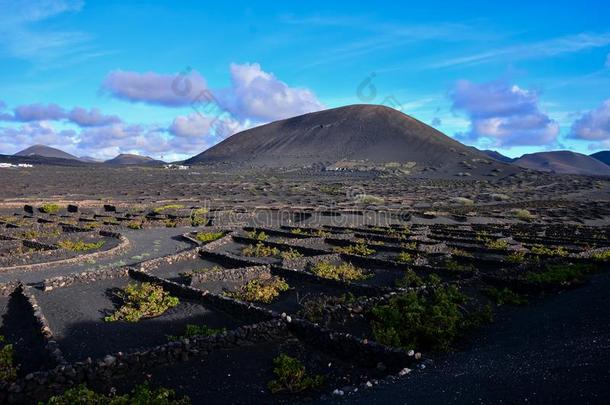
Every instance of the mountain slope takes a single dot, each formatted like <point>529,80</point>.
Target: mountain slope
<point>368,133</point>
<point>45,151</point>
<point>603,156</point>
<point>564,162</point>
<point>130,159</point>
<point>498,156</point>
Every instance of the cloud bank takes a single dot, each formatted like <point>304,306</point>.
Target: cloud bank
<point>259,96</point>
<point>503,114</point>
<point>157,89</point>
<point>594,126</point>
<point>254,97</point>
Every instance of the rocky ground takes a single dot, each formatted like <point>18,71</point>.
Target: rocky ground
<point>473,233</point>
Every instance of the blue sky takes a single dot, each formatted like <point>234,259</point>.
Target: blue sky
<point>101,78</point>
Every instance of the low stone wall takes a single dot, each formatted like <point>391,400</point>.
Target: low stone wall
<point>149,265</point>
<point>40,385</point>
<point>6,289</point>
<point>51,345</point>
<point>84,277</point>
<point>242,275</point>
<point>281,246</point>
<point>218,243</point>
<point>121,247</point>
<point>229,305</point>
<point>350,348</point>
<point>38,245</point>
<point>227,259</point>
<point>355,288</point>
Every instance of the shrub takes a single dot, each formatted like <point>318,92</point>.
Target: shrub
<point>560,274</point>
<point>196,330</point>
<point>601,256</point>
<point>401,233</point>
<point>431,320</point>
<point>92,225</point>
<point>359,249</point>
<point>460,252</point>
<point>291,254</point>
<point>198,217</point>
<point>409,245</point>
<point>522,214</point>
<point>49,208</point>
<point>260,250</point>
<point>452,265</point>
<point>144,300</point>
<point>206,237</point>
<point>260,290</point>
<point>516,257</point>
<point>500,197</point>
<point>404,257</point>
<point>343,272</point>
<point>496,244</point>
<point>79,245</point>
<point>462,201</point>
<point>318,232</point>
<point>291,376</point>
<point>410,279</point>
<point>505,296</point>
<point>549,251</point>
<point>8,370</point>
<point>170,223</point>
<point>370,199</point>
<point>262,236</point>
<point>167,207</point>
<point>31,234</point>
<point>140,395</point>
<point>135,224</point>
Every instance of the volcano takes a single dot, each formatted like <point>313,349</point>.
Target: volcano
<point>356,134</point>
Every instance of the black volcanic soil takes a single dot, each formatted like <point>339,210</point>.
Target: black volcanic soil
<point>239,375</point>
<point>20,328</point>
<point>553,351</point>
<point>76,313</point>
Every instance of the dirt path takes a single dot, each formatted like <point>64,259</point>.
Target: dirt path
<point>553,351</point>
<point>144,244</point>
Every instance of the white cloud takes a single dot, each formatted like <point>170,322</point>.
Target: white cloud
<point>593,125</point>
<point>192,125</point>
<point>14,139</point>
<point>260,96</point>
<point>503,114</point>
<point>169,90</point>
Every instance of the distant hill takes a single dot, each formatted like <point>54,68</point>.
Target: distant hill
<point>45,151</point>
<point>356,133</point>
<point>498,156</point>
<point>89,159</point>
<point>130,159</point>
<point>564,162</point>
<point>40,160</point>
<point>603,156</point>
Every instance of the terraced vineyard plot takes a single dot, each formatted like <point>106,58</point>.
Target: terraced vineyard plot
<point>246,371</point>
<point>336,279</point>
<point>76,317</point>
<point>183,269</point>
<point>20,328</point>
